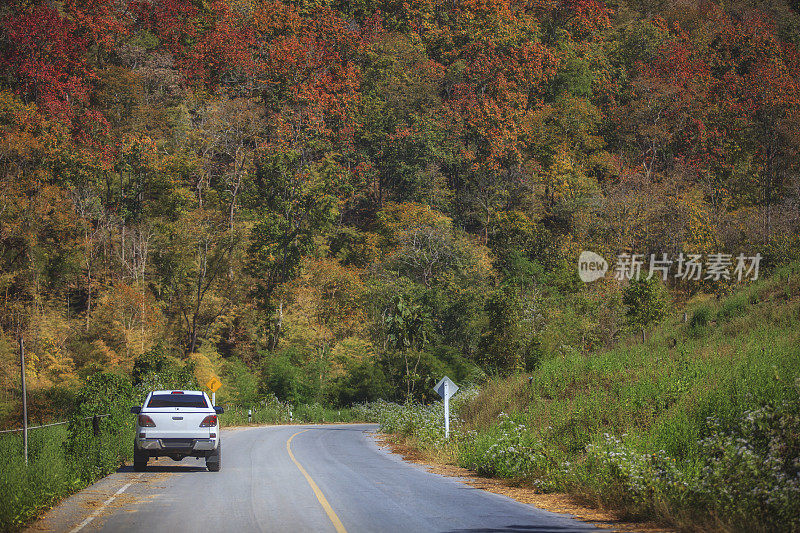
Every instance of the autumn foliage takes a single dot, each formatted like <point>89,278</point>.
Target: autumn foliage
<point>260,180</point>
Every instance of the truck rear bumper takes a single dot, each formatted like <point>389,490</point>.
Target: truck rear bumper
<point>176,446</point>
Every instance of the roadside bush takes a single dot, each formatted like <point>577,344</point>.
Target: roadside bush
<point>751,472</point>
<point>26,490</point>
<point>620,475</point>
<point>508,449</point>
<point>701,318</point>
<point>241,384</point>
<point>424,423</point>
<point>363,382</point>
<point>94,456</point>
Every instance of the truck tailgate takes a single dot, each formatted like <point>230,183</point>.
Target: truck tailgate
<point>177,422</point>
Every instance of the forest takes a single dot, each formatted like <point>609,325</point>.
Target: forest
<point>335,201</point>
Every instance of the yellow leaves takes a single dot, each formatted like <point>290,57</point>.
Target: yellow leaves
<point>326,301</point>
<point>104,353</point>
<point>17,134</point>
<point>565,181</point>
<point>480,253</point>
<point>395,219</point>
<point>701,230</point>
<point>204,368</point>
<point>48,362</point>
<point>570,246</point>
<point>128,319</point>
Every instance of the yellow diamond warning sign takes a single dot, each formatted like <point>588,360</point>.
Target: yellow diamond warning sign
<point>214,383</point>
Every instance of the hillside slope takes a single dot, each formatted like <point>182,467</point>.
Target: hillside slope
<point>697,427</point>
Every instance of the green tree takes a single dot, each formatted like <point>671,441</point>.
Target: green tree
<point>509,343</point>
<point>647,301</point>
<point>156,369</point>
<point>407,324</point>
<point>364,381</point>
<point>295,204</point>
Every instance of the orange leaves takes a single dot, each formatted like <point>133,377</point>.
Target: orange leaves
<point>272,19</point>
<point>505,86</point>
<point>586,17</point>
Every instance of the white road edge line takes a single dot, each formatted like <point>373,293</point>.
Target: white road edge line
<point>99,510</point>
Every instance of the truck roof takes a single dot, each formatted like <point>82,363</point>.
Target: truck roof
<point>177,391</point>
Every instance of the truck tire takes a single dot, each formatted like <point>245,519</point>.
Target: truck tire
<point>213,461</point>
<point>139,460</point>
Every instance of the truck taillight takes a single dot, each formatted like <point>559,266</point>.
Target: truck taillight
<point>209,422</point>
<point>146,422</point>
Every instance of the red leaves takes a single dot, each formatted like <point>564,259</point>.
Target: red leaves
<point>99,20</point>
<point>175,22</point>
<point>47,59</point>
<point>224,54</point>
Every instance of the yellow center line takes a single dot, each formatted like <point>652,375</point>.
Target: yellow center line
<point>318,493</point>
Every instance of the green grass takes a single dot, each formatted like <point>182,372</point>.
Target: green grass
<point>662,391</point>
<point>24,492</point>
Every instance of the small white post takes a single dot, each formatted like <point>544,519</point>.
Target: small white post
<point>213,399</point>
<point>446,411</point>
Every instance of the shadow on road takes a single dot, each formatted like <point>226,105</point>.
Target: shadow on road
<point>178,468</point>
<point>343,427</point>
<point>520,529</point>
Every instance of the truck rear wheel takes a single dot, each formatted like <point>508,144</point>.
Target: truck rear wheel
<point>139,460</point>
<point>213,460</point>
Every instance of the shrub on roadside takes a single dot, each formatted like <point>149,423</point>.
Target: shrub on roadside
<point>751,472</point>
<point>94,456</point>
<point>700,320</point>
<point>509,449</point>
<point>745,477</point>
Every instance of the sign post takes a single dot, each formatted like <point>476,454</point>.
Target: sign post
<point>214,384</point>
<point>446,388</point>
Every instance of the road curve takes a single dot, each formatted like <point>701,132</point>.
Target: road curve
<point>331,478</point>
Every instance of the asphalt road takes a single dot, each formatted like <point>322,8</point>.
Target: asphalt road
<point>296,479</point>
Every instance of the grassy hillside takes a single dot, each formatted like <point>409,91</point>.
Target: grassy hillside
<point>697,427</point>
<point>731,355</point>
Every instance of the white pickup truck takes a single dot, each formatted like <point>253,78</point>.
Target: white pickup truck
<point>177,424</point>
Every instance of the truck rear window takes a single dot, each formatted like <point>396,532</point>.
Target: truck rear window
<point>177,400</point>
